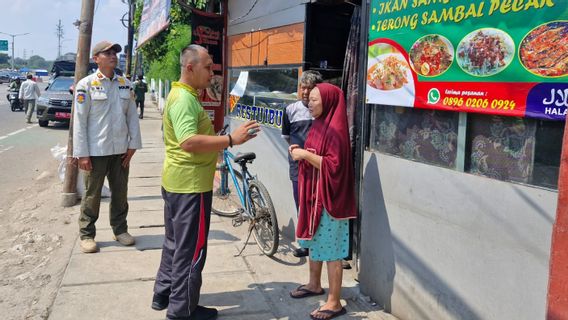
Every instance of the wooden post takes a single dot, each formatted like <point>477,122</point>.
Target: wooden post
<point>557,301</point>
<point>69,198</point>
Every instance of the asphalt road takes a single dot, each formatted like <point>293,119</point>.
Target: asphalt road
<point>24,150</point>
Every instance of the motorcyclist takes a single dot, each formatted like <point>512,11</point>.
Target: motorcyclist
<point>15,84</point>
<point>14,88</point>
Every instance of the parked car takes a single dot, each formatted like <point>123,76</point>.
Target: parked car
<point>55,103</point>
<point>4,77</point>
<point>15,74</point>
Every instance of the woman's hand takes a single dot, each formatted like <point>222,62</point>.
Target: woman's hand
<point>309,155</point>
<point>292,147</point>
<point>296,152</point>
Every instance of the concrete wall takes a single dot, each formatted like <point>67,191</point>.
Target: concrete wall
<point>266,14</point>
<point>271,167</point>
<point>439,244</point>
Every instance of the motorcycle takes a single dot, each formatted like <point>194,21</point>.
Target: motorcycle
<point>15,103</point>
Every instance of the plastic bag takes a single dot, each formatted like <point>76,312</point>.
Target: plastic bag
<point>60,154</point>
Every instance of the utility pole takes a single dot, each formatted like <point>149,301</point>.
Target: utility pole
<point>59,32</point>
<point>85,25</point>
<point>557,300</point>
<point>14,36</point>
<point>131,10</point>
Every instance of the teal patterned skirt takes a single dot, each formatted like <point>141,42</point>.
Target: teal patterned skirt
<point>331,241</point>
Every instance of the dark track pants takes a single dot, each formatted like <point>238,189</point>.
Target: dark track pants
<point>296,196</point>
<point>140,104</point>
<point>187,218</point>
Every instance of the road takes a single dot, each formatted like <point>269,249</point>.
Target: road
<point>24,150</point>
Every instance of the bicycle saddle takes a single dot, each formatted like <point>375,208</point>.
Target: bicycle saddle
<point>242,157</point>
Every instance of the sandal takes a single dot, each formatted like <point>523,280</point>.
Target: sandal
<point>328,314</point>
<point>303,292</point>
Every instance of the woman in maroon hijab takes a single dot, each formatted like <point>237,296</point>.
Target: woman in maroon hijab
<point>327,199</point>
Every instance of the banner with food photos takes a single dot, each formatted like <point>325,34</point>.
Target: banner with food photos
<point>501,57</point>
<point>207,31</point>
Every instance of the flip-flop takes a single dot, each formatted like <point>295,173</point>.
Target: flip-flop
<point>329,314</point>
<point>303,292</point>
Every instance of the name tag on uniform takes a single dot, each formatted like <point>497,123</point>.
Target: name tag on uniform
<point>98,93</point>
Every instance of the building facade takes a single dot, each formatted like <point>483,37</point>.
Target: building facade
<point>456,209</point>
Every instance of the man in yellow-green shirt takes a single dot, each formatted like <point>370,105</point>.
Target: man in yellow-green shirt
<point>187,184</point>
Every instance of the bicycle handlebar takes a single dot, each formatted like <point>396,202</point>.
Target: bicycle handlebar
<point>223,131</point>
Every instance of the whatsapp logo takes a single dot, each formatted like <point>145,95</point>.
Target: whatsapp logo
<point>433,96</point>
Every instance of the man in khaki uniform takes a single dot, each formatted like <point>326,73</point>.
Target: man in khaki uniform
<point>106,133</point>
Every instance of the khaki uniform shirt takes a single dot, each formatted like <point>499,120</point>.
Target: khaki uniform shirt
<point>105,121</point>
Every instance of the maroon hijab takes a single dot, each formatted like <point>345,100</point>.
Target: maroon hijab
<point>332,186</point>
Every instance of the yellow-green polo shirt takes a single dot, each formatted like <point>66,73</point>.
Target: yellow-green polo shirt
<point>184,117</point>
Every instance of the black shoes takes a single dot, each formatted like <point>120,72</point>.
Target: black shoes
<point>203,313</point>
<point>301,252</point>
<point>160,302</point>
<point>200,313</point>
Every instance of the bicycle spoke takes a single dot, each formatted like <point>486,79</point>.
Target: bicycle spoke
<point>226,202</point>
<point>266,230</point>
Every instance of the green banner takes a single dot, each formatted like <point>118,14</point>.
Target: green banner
<point>502,55</point>
<point>3,45</point>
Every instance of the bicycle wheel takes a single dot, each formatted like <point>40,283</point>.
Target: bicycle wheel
<point>227,203</point>
<point>265,230</point>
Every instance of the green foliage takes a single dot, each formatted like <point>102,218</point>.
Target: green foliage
<point>161,53</point>
<point>4,58</point>
<point>199,4</point>
<point>168,67</point>
<point>37,62</point>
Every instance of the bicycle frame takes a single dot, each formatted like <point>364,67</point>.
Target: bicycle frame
<point>243,194</point>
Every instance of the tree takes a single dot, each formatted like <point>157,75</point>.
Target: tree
<point>4,58</point>
<point>19,63</point>
<point>161,53</point>
<point>37,62</point>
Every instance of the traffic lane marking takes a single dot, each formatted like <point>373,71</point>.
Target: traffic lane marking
<point>6,149</point>
<point>18,131</point>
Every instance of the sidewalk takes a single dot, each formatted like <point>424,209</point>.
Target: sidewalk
<point>117,282</point>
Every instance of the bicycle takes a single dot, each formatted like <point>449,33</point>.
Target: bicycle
<point>246,199</point>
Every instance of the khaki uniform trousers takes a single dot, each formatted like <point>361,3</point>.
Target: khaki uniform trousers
<point>111,168</point>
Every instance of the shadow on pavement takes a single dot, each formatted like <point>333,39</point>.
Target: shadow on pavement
<point>238,304</point>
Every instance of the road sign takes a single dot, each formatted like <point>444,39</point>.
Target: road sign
<point>3,45</point>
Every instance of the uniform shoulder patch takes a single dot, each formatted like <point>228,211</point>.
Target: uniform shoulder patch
<point>80,98</point>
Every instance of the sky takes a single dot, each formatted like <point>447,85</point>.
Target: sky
<point>40,18</point>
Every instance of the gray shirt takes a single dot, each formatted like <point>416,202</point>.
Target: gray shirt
<point>295,127</point>
<point>105,120</point>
